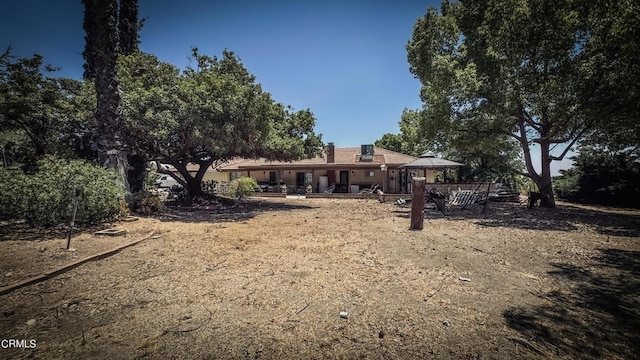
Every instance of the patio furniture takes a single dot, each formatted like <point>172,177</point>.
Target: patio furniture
<point>462,197</point>
<point>455,198</point>
<point>330,189</point>
<point>370,190</point>
<point>505,192</point>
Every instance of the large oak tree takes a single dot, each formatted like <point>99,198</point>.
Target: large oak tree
<point>531,70</point>
<point>208,114</point>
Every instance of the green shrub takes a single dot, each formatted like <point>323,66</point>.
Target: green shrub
<point>11,193</point>
<point>46,198</point>
<point>243,187</point>
<point>147,203</point>
<point>123,209</point>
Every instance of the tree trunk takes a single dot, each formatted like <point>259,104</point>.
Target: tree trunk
<point>103,38</point>
<point>128,27</point>
<point>544,183</point>
<point>137,172</point>
<point>115,159</point>
<point>194,188</point>
<point>543,180</point>
<point>191,183</point>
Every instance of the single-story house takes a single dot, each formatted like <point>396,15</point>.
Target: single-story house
<point>351,169</point>
<point>213,173</point>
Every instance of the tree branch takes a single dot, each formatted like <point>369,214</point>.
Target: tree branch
<point>566,150</point>
<point>529,120</point>
<point>525,147</point>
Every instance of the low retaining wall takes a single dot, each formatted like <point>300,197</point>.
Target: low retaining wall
<point>395,197</point>
<point>341,196</point>
<point>269,194</point>
<point>442,187</point>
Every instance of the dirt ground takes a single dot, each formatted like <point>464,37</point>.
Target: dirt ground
<point>269,279</point>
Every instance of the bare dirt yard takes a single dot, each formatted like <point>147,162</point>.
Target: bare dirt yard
<point>268,279</point>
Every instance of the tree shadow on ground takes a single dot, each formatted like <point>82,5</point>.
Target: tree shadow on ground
<point>514,215</point>
<point>593,313</point>
<point>21,231</point>
<point>225,212</point>
<point>236,211</point>
<point>564,218</point>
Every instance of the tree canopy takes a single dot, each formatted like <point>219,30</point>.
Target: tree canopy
<point>410,140</point>
<point>34,108</point>
<point>484,156</point>
<point>602,176</point>
<point>525,70</point>
<point>208,114</point>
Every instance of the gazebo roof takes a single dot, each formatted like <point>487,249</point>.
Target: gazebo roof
<point>429,161</point>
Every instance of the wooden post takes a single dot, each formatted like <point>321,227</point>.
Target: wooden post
<point>417,203</point>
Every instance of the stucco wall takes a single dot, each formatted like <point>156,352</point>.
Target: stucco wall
<point>356,177</point>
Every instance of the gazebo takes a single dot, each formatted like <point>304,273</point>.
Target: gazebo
<point>427,161</point>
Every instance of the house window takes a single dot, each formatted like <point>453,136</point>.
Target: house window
<point>369,173</point>
<point>235,175</point>
<point>272,177</point>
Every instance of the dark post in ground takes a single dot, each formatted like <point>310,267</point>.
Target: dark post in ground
<point>417,203</point>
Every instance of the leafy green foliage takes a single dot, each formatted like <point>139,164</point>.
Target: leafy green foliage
<point>484,156</point>
<point>411,140</point>
<point>147,203</point>
<point>34,109</point>
<point>207,115</point>
<point>243,187</point>
<point>11,181</point>
<point>525,70</point>
<point>391,142</point>
<point>46,197</point>
<point>612,89</point>
<point>601,176</point>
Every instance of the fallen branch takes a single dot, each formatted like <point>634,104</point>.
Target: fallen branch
<point>215,266</point>
<point>303,309</point>
<point>526,344</point>
<point>61,270</point>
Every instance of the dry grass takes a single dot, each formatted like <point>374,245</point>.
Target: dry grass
<point>269,280</point>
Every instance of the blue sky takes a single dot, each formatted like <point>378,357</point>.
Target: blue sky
<point>344,60</point>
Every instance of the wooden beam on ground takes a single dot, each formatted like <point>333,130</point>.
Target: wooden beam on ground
<point>417,203</point>
<point>49,274</point>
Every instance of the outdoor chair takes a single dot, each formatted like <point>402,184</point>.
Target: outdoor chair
<point>370,190</point>
<point>457,198</point>
<point>504,192</point>
<point>462,197</point>
<point>330,189</point>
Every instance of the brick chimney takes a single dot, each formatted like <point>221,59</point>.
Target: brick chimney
<point>331,153</point>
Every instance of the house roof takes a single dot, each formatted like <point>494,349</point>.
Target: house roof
<point>428,161</point>
<point>347,156</point>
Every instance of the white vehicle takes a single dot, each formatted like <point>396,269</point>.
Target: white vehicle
<point>166,181</point>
